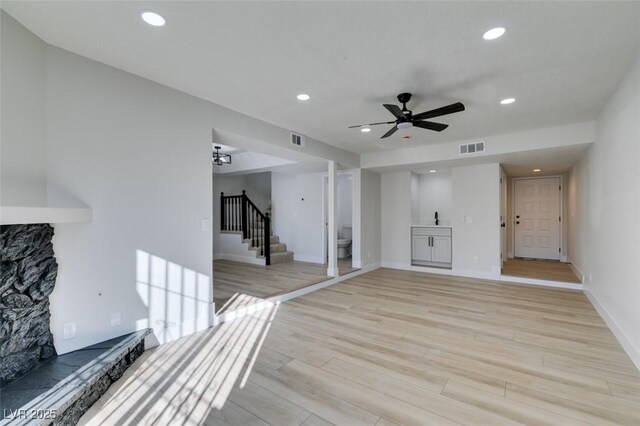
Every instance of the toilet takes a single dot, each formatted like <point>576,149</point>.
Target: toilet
<point>344,242</point>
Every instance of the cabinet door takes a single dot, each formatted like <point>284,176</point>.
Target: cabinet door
<point>441,250</point>
<point>420,249</point>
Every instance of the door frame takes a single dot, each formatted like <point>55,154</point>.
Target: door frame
<point>325,225</point>
<point>513,211</point>
<point>504,213</point>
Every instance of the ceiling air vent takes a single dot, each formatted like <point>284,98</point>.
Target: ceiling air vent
<point>471,148</point>
<point>298,140</point>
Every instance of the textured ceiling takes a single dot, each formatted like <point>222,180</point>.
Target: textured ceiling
<point>560,60</point>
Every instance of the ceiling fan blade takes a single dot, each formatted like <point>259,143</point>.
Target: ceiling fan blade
<point>372,124</point>
<point>449,109</point>
<point>395,110</point>
<point>438,127</point>
<point>390,132</point>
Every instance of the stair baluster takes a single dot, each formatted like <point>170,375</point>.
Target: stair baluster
<point>238,213</point>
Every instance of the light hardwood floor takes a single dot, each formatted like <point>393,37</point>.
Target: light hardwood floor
<point>237,284</point>
<point>540,269</point>
<point>390,347</point>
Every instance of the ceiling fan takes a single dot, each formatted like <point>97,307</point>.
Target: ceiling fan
<point>405,118</point>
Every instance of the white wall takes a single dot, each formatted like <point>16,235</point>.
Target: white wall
<point>258,187</point>
<point>345,202</point>
<point>415,198</point>
<point>297,206</point>
<point>370,218</point>
<point>139,154</point>
<point>605,203</point>
<point>22,135</point>
<point>435,195</point>
<point>476,218</point>
<point>396,218</point>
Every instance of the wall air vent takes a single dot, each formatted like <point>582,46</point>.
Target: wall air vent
<point>298,140</point>
<point>471,148</point>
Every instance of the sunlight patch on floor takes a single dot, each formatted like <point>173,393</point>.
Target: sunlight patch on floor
<point>182,381</point>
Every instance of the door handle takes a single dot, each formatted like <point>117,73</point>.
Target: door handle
<point>517,222</point>
<point>502,225</point>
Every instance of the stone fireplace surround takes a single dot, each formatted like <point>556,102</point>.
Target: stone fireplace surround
<point>28,271</point>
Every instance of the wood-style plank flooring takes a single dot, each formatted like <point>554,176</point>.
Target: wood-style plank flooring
<point>539,269</point>
<point>237,284</point>
<point>388,348</point>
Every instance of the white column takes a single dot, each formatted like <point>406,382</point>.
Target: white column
<point>332,227</point>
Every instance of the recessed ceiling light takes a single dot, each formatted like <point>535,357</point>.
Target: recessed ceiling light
<point>508,101</point>
<point>153,19</point>
<point>537,170</point>
<point>303,97</point>
<point>365,129</point>
<point>406,138</point>
<point>493,33</point>
<point>432,171</point>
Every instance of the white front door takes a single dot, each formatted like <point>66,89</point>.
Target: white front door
<point>537,218</point>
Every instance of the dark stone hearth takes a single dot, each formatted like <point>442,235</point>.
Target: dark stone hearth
<point>72,414</point>
<point>28,271</point>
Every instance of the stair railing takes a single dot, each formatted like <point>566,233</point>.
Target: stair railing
<point>238,213</point>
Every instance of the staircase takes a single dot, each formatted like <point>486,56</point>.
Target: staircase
<point>238,214</point>
<point>278,250</point>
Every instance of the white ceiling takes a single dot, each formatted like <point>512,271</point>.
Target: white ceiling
<point>561,60</point>
<point>552,161</point>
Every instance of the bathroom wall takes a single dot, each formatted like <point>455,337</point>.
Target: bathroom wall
<point>345,202</point>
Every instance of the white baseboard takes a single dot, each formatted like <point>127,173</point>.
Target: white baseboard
<point>455,272</point>
<point>481,275</point>
<point>576,270</point>
<point>627,344</point>
<point>370,267</point>
<point>305,258</point>
<point>543,283</point>
<point>356,263</point>
<point>239,258</point>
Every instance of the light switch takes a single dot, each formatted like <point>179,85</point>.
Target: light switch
<point>205,225</point>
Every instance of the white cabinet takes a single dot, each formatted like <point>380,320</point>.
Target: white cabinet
<point>431,246</point>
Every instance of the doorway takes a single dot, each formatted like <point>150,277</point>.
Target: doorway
<point>537,203</point>
<point>346,218</point>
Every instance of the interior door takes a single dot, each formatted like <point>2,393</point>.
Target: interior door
<point>537,218</point>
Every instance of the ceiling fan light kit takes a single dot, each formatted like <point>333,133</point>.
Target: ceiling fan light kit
<point>406,119</point>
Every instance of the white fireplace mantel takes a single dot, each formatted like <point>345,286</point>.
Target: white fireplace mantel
<point>13,215</point>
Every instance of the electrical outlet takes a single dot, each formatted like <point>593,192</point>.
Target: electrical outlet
<point>475,259</point>
<point>369,255</point>
<point>116,319</point>
<point>69,331</point>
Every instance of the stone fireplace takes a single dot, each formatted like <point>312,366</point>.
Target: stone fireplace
<point>28,271</point>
